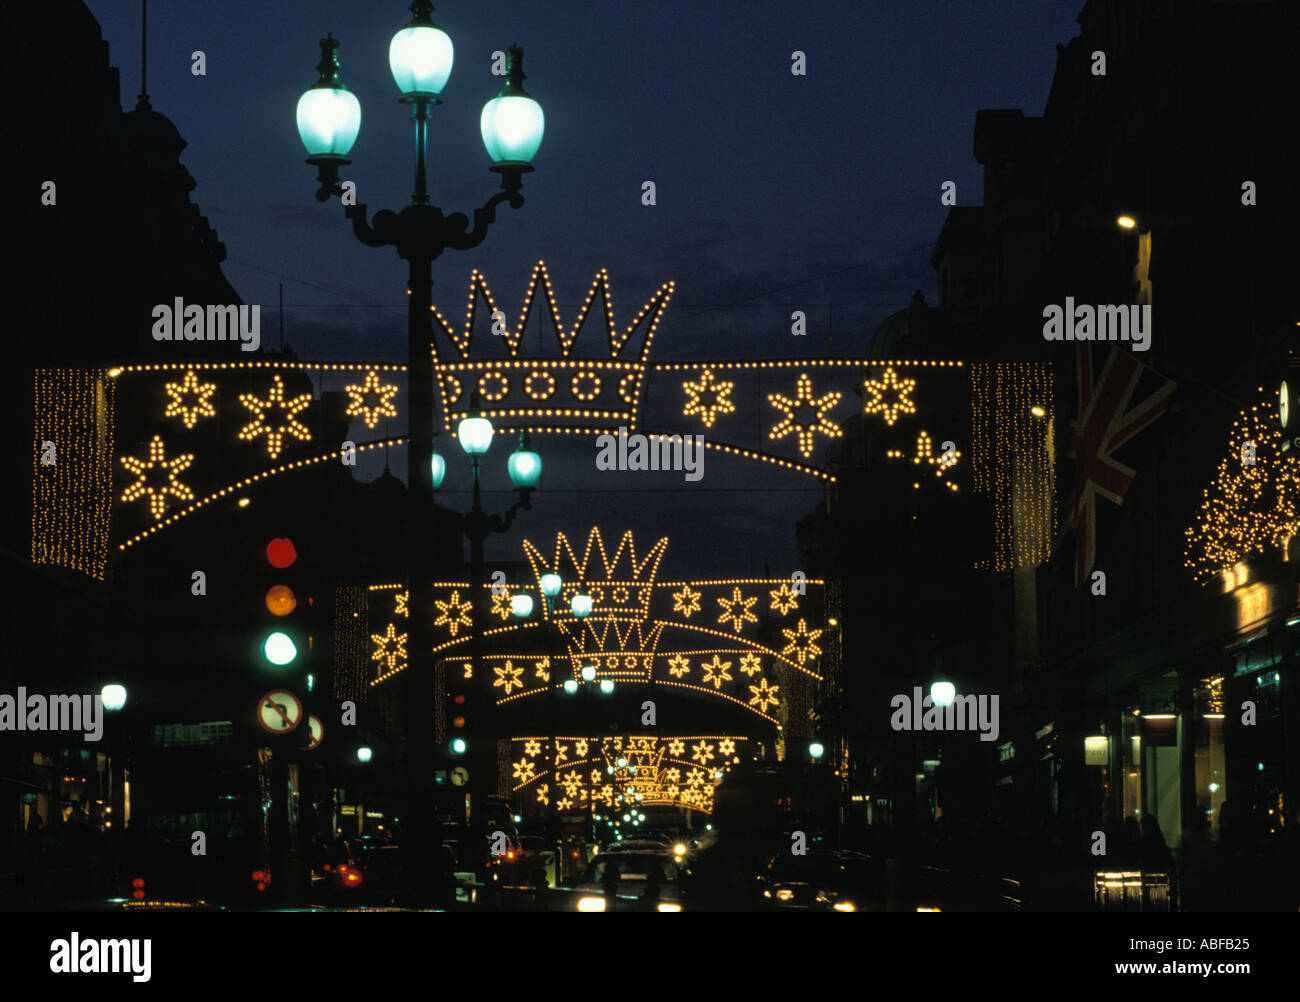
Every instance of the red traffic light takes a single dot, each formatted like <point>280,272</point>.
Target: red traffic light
<point>281,553</point>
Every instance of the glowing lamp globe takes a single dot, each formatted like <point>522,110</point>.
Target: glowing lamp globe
<point>522,606</point>
<point>329,115</point>
<point>475,434</point>
<point>525,468</point>
<point>570,686</point>
<point>280,600</point>
<point>943,693</point>
<point>588,673</point>
<point>512,123</point>
<point>816,750</point>
<point>606,686</point>
<point>364,754</point>
<point>279,649</point>
<point>439,467</point>
<point>113,696</point>
<point>420,55</point>
<point>581,605</point>
<point>551,585</point>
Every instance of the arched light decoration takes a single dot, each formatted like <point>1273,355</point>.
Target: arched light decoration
<point>524,465</point>
<point>439,468</point>
<point>581,605</point>
<point>512,122</point>
<point>114,696</point>
<point>522,605</point>
<point>943,693</point>
<point>420,55</point>
<point>329,115</point>
<point>551,585</point>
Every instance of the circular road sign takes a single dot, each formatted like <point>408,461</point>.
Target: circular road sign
<point>317,731</point>
<point>279,711</point>
<point>459,776</point>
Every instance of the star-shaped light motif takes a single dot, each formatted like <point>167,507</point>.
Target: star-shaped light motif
<point>924,454</point>
<point>501,605</point>
<point>532,747</point>
<point>763,694</point>
<point>751,664</point>
<point>678,666</point>
<point>389,654</point>
<point>157,495</point>
<point>674,775</point>
<point>673,790</point>
<point>561,753</point>
<point>358,406</point>
<point>543,669</point>
<point>571,782</point>
<point>507,677</point>
<point>727,747</point>
<point>202,405</point>
<point>469,669</point>
<point>802,646</point>
<point>803,398</point>
<point>564,803</point>
<point>544,794</point>
<point>697,393</point>
<point>735,610</point>
<point>784,599</point>
<point>275,432</point>
<point>525,771</point>
<point>399,603</point>
<point>595,778</point>
<point>580,748</point>
<point>897,388</point>
<point>696,777</point>
<point>453,614</point>
<point>686,601</point>
<point>702,753</point>
<point>716,673</point>
<point>676,746</point>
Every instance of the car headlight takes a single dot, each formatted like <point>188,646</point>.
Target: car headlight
<point>670,907</point>
<point>591,904</point>
<point>844,906</point>
<point>785,894</point>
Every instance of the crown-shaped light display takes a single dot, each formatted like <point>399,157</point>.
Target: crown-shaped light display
<point>617,632</point>
<point>556,393</point>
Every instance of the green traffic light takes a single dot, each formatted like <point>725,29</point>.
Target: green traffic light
<point>458,746</point>
<point>279,649</point>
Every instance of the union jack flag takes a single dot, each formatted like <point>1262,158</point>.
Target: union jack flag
<point>1105,423</point>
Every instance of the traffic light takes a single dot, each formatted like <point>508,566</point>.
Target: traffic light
<point>457,740</point>
<point>283,639</point>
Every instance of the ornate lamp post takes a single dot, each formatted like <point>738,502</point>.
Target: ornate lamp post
<point>329,118</point>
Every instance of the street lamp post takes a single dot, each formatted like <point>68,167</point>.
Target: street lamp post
<point>329,118</point>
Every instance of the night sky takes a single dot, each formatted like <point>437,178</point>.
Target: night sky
<point>775,193</point>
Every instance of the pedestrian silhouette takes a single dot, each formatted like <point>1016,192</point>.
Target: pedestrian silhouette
<point>609,881</point>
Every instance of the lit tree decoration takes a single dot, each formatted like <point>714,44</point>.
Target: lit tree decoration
<point>702,753</point>
<point>507,677</point>
<point>400,600</point>
<point>391,655</point>
<point>525,770</point>
<point>735,610</point>
<point>763,694</point>
<point>706,387</point>
<point>275,433</point>
<point>897,388</point>
<point>678,666</point>
<point>385,392</point>
<point>804,401</point>
<point>802,645</point>
<point>157,495</point>
<point>453,614</point>
<point>716,673</point>
<point>202,405</point>
<point>1250,507</point>
<point>785,599</point>
<point>751,665</point>
<point>686,601</point>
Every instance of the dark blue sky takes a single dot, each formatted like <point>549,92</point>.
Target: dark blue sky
<point>764,179</point>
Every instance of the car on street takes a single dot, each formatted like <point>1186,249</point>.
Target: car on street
<point>842,881</point>
<point>637,871</point>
